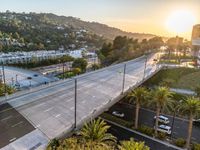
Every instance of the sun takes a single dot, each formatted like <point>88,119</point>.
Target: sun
<point>180,21</point>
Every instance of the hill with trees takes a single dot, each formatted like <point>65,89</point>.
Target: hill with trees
<point>32,31</point>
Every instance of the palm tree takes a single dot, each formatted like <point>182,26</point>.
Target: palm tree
<point>161,97</point>
<point>132,145</point>
<point>95,133</point>
<point>138,96</point>
<point>190,107</point>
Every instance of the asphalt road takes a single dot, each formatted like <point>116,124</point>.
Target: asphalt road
<point>146,118</point>
<point>125,134</point>
<point>12,125</point>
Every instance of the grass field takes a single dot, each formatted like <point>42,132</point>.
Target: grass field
<point>184,78</point>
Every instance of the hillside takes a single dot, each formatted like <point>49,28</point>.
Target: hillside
<point>95,27</point>
<point>32,31</point>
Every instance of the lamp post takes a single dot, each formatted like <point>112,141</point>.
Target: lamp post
<point>4,79</point>
<point>63,70</point>
<point>75,102</point>
<point>124,77</point>
<point>145,65</point>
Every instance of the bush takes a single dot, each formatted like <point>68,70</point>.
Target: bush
<point>146,130</point>
<point>161,136</point>
<point>180,142</point>
<point>196,147</point>
<point>117,120</point>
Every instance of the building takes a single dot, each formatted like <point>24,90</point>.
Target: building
<point>196,41</point>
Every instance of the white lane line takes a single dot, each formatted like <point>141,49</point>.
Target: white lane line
<point>38,125</point>
<point>6,118</point>
<point>12,139</point>
<point>48,109</point>
<point>14,125</point>
<point>58,115</point>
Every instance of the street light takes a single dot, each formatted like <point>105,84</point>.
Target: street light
<point>145,65</point>
<point>124,76</point>
<point>75,102</point>
<point>4,80</point>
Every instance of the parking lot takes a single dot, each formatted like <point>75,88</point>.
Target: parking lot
<point>21,78</point>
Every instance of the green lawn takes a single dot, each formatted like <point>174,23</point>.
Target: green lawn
<point>186,78</point>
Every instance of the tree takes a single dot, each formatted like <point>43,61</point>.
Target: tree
<point>132,145</point>
<point>161,97</point>
<point>155,42</point>
<point>197,90</point>
<point>95,66</point>
<point>190,107</point>
<point>76,71</point>
<point>80,63</point>
<point>138,96</point>
<point>95,133</point>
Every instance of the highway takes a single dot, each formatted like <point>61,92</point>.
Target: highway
<point>51,109</point>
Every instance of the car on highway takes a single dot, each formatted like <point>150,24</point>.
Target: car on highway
<point>164,129</point>
<point>196,122</point>
<point>118,114</point>
<point>162,119</point>
<point>155,60</point>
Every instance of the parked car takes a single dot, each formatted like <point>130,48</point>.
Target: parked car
<point>162,119</point>
<point>164,129</point>
<point>155,60</point>
<point>118,114</point>
<point>35,75</point>
<point>196,122</point>
<point>29,78</point>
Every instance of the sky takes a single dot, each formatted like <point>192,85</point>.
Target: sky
<point>160,17</point>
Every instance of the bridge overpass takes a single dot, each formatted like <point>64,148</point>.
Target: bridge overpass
<point>56,109</point>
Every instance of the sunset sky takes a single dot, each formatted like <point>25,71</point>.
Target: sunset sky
<point>161,17</point>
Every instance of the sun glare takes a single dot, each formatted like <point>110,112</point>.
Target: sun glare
<point>180,21</point>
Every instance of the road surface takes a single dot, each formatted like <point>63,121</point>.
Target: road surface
<point>146,118</point>
<point>51,109</point>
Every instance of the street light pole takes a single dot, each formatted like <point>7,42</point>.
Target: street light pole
<point>4,80</point>
<point>124,77</point>
<point>63,71</point>
<point>75,103</point>
<point>145,65</point>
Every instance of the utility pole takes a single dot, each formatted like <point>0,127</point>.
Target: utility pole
<point>75,102</point>
<point>145,65</point>
<point>124,76</point>
<point>63,70</point>
<point>4,79</point>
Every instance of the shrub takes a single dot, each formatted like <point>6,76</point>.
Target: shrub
<point>180,142</point>
<point>146,130</point>
<point>117,120</point>
<point>161,136</point>
<point>196,147</point>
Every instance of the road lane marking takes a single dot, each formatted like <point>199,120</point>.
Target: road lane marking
<point>58,115</point>
<point>11,140</point>
<point>17,124</point>
<point>48,109</point>
<point>6,118</point>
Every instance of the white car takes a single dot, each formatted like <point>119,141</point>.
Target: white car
<point>118,114</point>
<point>164,129</point>
<point>163,119</point>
